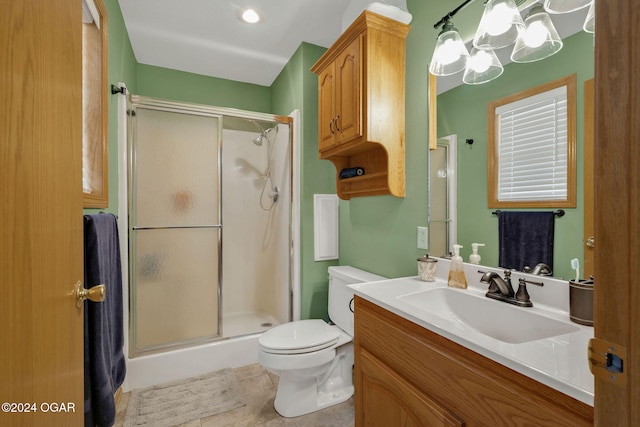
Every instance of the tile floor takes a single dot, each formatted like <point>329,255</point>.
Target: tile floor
<point>259,389</point>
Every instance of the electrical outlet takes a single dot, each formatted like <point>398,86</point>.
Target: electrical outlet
<point>423,238</point>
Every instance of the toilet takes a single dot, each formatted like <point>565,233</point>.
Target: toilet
<point>313,358</point>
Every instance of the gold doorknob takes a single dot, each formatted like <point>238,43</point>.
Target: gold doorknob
<point>591,241</point>
<point>96,294</point>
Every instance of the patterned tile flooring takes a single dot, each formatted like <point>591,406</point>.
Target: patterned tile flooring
<point>259,389</point>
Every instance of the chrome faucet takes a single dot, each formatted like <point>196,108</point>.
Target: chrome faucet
<point>501,289</point>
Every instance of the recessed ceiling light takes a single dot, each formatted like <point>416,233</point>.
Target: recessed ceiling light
<point>250,16</point>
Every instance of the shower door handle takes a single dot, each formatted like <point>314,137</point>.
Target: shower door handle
<point>96,293</point>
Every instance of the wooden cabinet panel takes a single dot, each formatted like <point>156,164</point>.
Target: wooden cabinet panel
<point>389,400</point>
<point>361,116</point>
<point>326,108</point>
<point>471,386</point>
<point>348,121</point>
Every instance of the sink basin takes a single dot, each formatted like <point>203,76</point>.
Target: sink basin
<point>495,319</point>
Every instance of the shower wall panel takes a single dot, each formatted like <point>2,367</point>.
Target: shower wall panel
<point>256,242</point>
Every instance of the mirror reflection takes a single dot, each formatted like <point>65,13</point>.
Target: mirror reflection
<point>462,111</point>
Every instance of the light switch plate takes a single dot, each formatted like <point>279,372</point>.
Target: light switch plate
<point>423,237</point>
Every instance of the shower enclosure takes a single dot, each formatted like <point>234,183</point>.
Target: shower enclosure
<point>209,223</point>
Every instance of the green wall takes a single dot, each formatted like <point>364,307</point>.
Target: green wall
<point>297,87</point>
<point>463,111</point>
<point>176,85</point>
<point>379,233</point>
<point>376,233</point>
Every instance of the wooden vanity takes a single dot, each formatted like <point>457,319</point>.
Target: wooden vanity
<point>408,375</point>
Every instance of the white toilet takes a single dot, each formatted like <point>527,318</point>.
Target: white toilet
<point>313,358</point>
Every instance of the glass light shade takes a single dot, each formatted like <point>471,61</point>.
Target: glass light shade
<point>482,66</point>
<point>450,54</point>
<point>499,26</point>
<point>590,23</point>
<point>565,6</point>
<point>540,40</point>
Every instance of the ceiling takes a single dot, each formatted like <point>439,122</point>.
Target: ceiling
<point>207,37</point>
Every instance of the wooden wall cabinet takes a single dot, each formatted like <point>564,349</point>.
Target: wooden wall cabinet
<point>408,375</point>
<point>361,113</point>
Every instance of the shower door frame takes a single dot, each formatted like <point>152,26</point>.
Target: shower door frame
<point>135,101</point>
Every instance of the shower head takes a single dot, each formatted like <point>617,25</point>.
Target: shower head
<point>258,139</point>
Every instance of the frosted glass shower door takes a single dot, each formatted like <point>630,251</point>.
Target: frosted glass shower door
<point>175,228</point>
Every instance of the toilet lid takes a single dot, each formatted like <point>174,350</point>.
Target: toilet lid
<point>301,336</point>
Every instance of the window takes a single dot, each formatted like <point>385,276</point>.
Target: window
<point>94,104</point>
<point>532,146</point>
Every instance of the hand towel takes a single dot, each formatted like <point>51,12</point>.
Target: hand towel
<point>525,239</point>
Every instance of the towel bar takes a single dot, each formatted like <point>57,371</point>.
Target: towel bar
<point>558,213</point>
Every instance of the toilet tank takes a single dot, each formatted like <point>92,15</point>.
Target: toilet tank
<point>340,295</point>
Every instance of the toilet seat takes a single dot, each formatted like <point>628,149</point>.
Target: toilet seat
<point>301,336</point>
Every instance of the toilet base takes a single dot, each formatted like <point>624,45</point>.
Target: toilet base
<point>298,396</point>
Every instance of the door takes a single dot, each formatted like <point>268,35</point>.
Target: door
<point>174,227</point>
<point>617,196</point>
<point>41,258</point>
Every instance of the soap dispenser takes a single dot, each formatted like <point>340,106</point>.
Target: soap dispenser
<point>474,258</point>
<point>457,279</point>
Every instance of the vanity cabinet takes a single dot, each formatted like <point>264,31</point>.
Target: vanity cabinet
<point>361,116</point>
<point>408,375</point>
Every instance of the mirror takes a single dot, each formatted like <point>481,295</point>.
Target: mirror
<point>463,111</point>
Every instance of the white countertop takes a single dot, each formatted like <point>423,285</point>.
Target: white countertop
<point>559,362</point>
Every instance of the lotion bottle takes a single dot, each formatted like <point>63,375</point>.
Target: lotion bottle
<point>457,279</point>
<point>474,258</point>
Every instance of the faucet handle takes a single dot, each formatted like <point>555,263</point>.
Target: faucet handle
<point>522,295</point>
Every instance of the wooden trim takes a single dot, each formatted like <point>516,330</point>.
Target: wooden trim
<point>433,111</point>
<point>100,198</point>
<point>492,155</point>
<point>589,105</point>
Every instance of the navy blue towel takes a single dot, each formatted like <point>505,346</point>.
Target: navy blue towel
<point>104,361</point>
<point>525,239</point>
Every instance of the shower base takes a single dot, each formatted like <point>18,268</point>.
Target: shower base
<point>238,348</point>
<point>237,324</point>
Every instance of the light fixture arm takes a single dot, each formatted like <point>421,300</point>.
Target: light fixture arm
<point>449,15</point>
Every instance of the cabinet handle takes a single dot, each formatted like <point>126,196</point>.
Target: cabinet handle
<point>331,125</point>
<point>337,119</point>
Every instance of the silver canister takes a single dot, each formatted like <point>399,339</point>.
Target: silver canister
<point>581,301</point>
<point>427,268</point>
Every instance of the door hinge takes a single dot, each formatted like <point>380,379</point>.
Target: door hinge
<point>607,361</point>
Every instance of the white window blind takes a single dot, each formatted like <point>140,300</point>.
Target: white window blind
<point>533,148</point>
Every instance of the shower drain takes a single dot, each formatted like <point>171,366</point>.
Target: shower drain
<point>266,325</point>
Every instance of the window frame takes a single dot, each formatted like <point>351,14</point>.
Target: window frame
<point>493,147</point>
<point>99,198</point>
